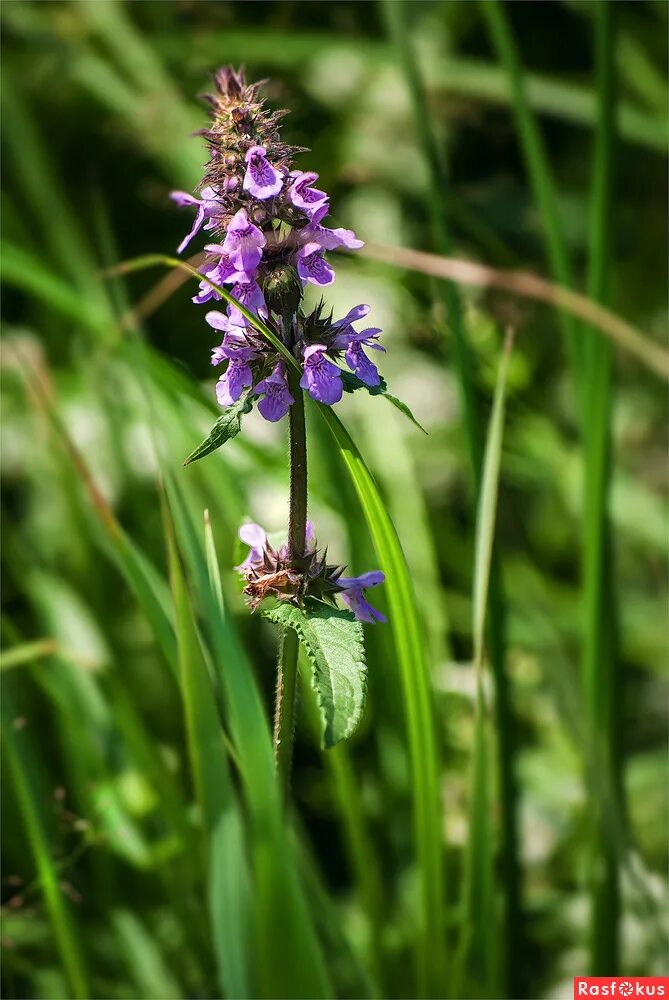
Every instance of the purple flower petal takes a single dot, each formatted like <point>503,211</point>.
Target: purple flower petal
<point>361,608</point>
<point>353,315</point>
<point>373,578</point>
<point>261,178</point>
<point>219,321</point>
<point>255,537</point>
<point>321,377</point>
<point>208,209</point>
<point>277,399</point>
<point>312,266</point>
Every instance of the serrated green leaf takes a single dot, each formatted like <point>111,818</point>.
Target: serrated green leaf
<point>333,641</point>
<point>352,383</point>
<point>226,427</point>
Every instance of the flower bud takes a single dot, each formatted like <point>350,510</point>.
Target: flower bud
<point>283,290</point>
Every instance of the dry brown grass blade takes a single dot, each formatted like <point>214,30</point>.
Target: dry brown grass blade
<point>160,292</point>
<point>463,272</point>
<point>529,286</point>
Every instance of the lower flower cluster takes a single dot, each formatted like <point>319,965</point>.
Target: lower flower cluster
<point>268,572</point>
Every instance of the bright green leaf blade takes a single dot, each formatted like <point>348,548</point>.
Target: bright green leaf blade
<point>334,643</point>
<point>418,703</point>
<point>479,932</point>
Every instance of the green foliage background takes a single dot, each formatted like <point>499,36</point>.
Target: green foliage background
<point>476,842</point>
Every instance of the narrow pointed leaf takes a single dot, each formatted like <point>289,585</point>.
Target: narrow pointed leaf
<point>352,383</point>
<point>226,427</point>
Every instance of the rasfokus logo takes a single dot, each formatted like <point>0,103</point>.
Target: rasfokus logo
<point>621,986</point>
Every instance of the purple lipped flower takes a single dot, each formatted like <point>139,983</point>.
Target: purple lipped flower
<point>255,537</point>
<point>238,375</point>
<point>248,294</point>
<point>303,196</point>
<point>312,266</point>
<point>328,239</point>
<point>244,242</point>
<point>353,595</point>
<point>208,208</point>
<point>262,180</point>
<point>360,364</point>
<point>233,344</point>
<point>220,273</point>
<point>352,316</point>
<point>277,399</point>
<point>321,377</point>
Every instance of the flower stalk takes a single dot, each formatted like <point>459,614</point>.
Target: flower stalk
<point>286,682</point>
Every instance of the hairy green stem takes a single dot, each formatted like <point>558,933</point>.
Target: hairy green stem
<point>286,683</point>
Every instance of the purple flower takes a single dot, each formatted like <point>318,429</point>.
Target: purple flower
<point>312,266</point>
<point>321,377</point>
<point>244,242</point>
<point>208,208</point>
<point>256,537</point>
<point>249,295</point>
<point>261,178</point>
<point>328,239</point>
<point>353,595</point>
<point>219,273</point>
<point>352,342</point>
<point>277,399</point>
<point>359,363</point>
<point>232,383</point>
<point>233,347</point>
<point>238,375</point>
<point>303,196</point>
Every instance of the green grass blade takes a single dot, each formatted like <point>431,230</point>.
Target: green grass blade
<point>538,169</point>
<point>487,507</point>
<point>229,885</point>
<point>144,958</point>
<point>22,767</point>
<point>599,662</point>
<point>480,930</point>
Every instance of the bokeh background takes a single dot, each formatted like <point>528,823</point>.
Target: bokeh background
<point>485,130</point>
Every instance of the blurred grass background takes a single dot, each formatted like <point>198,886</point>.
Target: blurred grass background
<point>145,852</point>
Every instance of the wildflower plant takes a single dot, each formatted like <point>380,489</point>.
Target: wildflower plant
<point>269,241</point>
